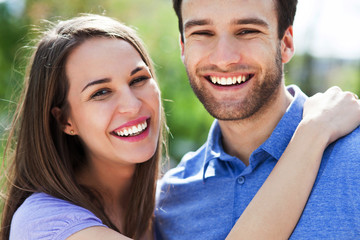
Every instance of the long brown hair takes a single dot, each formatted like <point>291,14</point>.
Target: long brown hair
<point>42,158</point>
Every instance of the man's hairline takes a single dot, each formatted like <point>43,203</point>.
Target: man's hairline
<point>182,38</point>
<point>245,21</point>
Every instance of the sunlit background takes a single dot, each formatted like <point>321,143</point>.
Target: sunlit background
<point>327,40</point>
<point>328,28</point>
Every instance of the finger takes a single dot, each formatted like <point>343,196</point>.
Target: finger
<point>353,95</point>
<point>334,89</point>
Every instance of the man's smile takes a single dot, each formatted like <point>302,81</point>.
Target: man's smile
<point>231,80</point>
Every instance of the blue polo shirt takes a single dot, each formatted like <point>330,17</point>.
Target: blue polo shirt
<point>205,194</point>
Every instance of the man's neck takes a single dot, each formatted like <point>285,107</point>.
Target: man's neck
<point>240,138</point>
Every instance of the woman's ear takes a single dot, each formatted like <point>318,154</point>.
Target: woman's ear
<point>66,125</point>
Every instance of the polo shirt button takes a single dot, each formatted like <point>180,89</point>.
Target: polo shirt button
<point>241,180</point>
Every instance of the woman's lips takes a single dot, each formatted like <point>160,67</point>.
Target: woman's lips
<point>138,128</point>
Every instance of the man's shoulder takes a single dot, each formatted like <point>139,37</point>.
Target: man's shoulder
<point>334,200</point>
<point>350,142</point>
<point>346,149</point>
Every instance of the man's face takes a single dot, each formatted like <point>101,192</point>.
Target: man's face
<point>233,55</point>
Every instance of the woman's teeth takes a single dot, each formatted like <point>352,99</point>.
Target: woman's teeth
<point>229,80</point>
<point>132,131</point>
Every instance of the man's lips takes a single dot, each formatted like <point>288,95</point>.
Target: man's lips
<point>132,128</point>
<point>229,80</point>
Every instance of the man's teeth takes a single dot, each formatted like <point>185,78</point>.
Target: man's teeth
<point>132,131</point>
<point>228,80</point>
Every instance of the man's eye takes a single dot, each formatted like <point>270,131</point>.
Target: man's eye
<point>202,33</point>
<point>248,31</point>
<point>139,81</point>
<point>100,94</point>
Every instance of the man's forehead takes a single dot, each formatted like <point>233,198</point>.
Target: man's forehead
<point>208,12</point>
<point>197,7</point>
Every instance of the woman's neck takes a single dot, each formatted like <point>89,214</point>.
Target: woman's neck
<point>113,183</point>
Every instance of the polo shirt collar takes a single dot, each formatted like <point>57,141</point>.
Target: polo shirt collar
<point>213,147</point>
<point>275,145</point>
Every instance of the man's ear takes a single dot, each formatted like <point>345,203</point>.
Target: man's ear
<point>287,45</point>
<point>181,48</point>
<point>65,124</point>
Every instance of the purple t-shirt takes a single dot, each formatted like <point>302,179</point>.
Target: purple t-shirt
<point>42,216</point>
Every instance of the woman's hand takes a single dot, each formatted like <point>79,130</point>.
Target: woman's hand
<point>333,114</point>
<point>276,208</point>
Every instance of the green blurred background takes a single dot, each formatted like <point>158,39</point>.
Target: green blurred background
<point>157,25</point>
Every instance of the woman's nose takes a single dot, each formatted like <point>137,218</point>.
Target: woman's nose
<point>128,102</point>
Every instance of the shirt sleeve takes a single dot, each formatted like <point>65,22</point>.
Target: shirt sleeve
<point>44,217</point>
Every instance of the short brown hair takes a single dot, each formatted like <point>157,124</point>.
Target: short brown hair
<point>285,9</point>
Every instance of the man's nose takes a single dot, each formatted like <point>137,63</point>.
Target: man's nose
<point>225,52</point>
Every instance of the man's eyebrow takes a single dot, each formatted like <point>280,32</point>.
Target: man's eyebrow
<point>99,81</point>
<point>193,23</point>
<point>254,21</point>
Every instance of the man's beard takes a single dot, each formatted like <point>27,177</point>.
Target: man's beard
<point>259,97</point>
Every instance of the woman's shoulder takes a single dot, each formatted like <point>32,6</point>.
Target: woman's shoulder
<point>42,216</point>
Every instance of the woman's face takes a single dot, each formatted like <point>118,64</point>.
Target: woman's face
<point>114,102</point>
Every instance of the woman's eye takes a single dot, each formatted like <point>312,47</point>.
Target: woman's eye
<point>139,81</point>
<point>100,94</point>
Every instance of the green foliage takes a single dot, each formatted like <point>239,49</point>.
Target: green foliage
<point>12,32</point>
<point>157,25</point>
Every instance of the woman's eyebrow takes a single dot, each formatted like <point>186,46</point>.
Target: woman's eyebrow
<point>106,80</point>
<point>99,81</point>
<point>136,70</point>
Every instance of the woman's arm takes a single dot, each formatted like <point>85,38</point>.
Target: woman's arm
<point>97,233</point>
<point>276,208</point>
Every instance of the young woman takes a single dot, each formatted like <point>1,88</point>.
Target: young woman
<point>87,138</point>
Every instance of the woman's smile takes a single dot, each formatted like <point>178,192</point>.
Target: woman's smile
<point>133,131</point>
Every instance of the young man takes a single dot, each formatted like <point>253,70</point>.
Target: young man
<point>234,53</point>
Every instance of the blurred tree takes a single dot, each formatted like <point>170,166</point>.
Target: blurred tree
<point>187,121</point>
<point>157,25</point>
<point>12,33</point>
